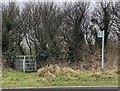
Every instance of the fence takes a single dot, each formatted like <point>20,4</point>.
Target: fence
<point>25,63</point>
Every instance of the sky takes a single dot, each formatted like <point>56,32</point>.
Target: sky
<point>93,1</point>
<point>48,0</point>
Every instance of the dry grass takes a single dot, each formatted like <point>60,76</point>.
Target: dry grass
<point>104,73</point>
<point>50,72</point>
<point>2,62</point>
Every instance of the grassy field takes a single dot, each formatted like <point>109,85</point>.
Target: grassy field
<point>16,79</point>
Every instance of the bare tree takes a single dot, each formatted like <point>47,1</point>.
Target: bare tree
<point>116,18</point>
<point>11,35</point>
<point>116,24</point>
<point>102,16</point>
<point>43,22</point>
<point>75,21</point>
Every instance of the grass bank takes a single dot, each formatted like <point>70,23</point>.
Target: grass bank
<point>15,79</point>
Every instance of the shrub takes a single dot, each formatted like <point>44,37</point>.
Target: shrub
<point>9,59</point>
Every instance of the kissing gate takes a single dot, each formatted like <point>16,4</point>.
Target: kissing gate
<point>25,63</point>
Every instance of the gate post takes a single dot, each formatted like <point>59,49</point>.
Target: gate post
<point>24,68</point>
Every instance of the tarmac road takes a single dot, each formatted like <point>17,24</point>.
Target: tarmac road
<point>65,89</point>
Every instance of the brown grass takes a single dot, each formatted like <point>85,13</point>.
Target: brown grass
<point>104,73</point>
<point>49,72</point>
<point>3,62</point>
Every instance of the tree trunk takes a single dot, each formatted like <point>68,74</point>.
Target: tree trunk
<point>21,50</point>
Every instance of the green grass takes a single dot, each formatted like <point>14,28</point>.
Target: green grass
<point>16,79</point>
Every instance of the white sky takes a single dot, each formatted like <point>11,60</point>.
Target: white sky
<point>58,0</point>
<point>48,0</point>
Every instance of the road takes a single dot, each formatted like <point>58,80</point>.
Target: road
<point>65,89</point>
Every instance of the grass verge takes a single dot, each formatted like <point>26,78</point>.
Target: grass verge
<point>15,79</point>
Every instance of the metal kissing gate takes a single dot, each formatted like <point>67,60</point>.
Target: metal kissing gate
<point>25,63</point>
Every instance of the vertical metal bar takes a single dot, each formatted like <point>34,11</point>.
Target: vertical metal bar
<point>24,64</point>
<point>103,50</point>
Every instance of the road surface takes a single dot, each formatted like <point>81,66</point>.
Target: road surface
<point>65,89</point>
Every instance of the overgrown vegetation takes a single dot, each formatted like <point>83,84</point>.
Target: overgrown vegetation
<point>63,32</point>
